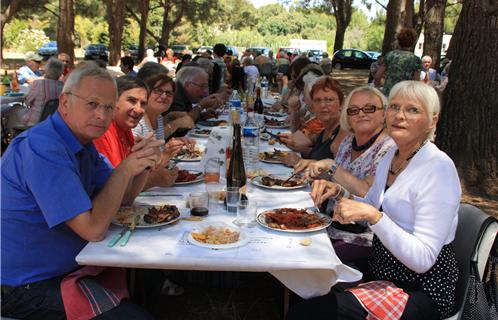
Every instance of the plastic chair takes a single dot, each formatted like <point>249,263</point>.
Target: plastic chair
<point>49,108</point>
<point>474,239</point>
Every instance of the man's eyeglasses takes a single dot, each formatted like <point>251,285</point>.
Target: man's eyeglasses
<point>160,92</point>
<point>368,108</point>
<point>203,86</point>
<point>409,111</point>
<point>93,105</point>
<point>326,101</point>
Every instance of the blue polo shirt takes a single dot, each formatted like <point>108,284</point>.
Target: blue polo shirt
<point>47,178</point>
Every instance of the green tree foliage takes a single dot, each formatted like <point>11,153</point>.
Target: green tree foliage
<point>31,39</point>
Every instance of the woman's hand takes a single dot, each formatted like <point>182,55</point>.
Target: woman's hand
<point>321,190</point>
<point>316,168</point>
<point>183,122</point>
<point>291,159</point>
<point>302,164</point>
<point>347,211</point>
<point>189,143</point>
<point>296,141</point>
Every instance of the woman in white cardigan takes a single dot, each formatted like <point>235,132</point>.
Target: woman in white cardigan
<point>411,208</point>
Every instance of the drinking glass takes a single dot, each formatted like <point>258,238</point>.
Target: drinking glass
<point>232,198</point>
<point>199,203</point>
<point>212,170</point>
<point>246,213</point>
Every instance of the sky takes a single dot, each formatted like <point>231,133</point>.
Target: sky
<point>357,3</point>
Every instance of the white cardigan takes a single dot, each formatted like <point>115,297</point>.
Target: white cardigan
<point>420,207</point>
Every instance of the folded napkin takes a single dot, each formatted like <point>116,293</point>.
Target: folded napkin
<point>92,290</point>
<point>381,299</point>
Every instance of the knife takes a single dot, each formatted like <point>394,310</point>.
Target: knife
<point>130,228</point>
<point>116,238</point>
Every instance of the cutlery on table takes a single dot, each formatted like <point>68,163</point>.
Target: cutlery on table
<point>130,228</point>
<point>116,238</point>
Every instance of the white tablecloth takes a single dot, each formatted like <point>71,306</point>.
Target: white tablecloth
<point>307,270</point>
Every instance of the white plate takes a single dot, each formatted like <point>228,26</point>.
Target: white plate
<point>143,224</point>
<point>258,182</point>
<point>277,127</point>
<point>183,159</point>
<point>260,218</point>
<point>271,160</point>
<point>243,240</point>
<point>199,178</point>
<point>277,115</point>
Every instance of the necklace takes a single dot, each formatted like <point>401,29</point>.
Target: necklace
<point>366,145</point>
<point>403,164</point>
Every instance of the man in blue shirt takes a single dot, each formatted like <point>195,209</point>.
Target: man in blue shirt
<point>58,193</point>
<point>31,71</point>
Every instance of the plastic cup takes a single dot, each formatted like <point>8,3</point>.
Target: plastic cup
<point>212,170</point>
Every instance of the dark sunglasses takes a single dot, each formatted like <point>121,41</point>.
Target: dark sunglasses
<point>368,108</point>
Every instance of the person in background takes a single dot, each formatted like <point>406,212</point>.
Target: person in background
<point>412,209</point>
<point>373,69</point>
<point>151,68</point>
<point>186,58</point>
<point>191,95</point>
<point>219,51</point>
<point>59,193</point>
<point>127,65</point>
<point>64,57</point>
<point>428,74</point>
<point>43,90</point>
<point>401,64</point>
<point>260,60</point>
<point>238,76</point>
<point>31,71</point>
<point>325,59</point>
<point>251,71</point>
<point>149,57</point>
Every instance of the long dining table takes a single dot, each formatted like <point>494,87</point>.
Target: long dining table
<point>308,270</point>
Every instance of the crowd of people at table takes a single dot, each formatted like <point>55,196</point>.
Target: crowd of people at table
<point>392,193</point>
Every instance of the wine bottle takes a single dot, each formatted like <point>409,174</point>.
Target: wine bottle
<point>258,104</point>
<point>236,176</point>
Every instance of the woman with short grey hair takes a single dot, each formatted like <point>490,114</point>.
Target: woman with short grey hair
<point>44,90</point>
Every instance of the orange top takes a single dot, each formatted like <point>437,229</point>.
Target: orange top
<point>115,144</point>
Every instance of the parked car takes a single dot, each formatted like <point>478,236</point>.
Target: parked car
<point>374,54</point>
<point>234,51</point>
<point>48,49</point>
<point>352,58</point>
<point>179,49</point>
<point>133,50</point>
<point>262,50</point>
<point>97,51</point>
<point>291,52</point>
<point>203,49</point>
<point>315,55</point>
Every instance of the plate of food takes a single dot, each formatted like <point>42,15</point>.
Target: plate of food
<point>201,133</point>
<point>188,177</point>
<point>275,114</point>
<point>212,123</point>
<point>279,182</point>
<point>188,156</point>
<point>293,220</point>
<point>150,216</point>
<point>275,123</point>
<point>217,235</point>
<point>275,156</point>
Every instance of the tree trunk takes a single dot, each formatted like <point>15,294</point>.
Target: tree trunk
<point>144,16</point>
<point>395,20</point>
<point>467,130</point>
<point>181,8</point>
<point>6,16</point>
<point>65,29</point>
<point>433,30</point>
<point>166,28</point>
<point>115,16</point>
<point>342,13</point>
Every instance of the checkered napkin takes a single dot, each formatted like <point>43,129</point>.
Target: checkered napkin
<point>381,299</point>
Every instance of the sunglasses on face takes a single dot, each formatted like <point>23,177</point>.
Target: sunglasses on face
<point>368,108</point>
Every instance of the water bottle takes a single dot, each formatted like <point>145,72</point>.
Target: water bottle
<point>264,88</point>
<point>235,107</point>
<point>250,133</point>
